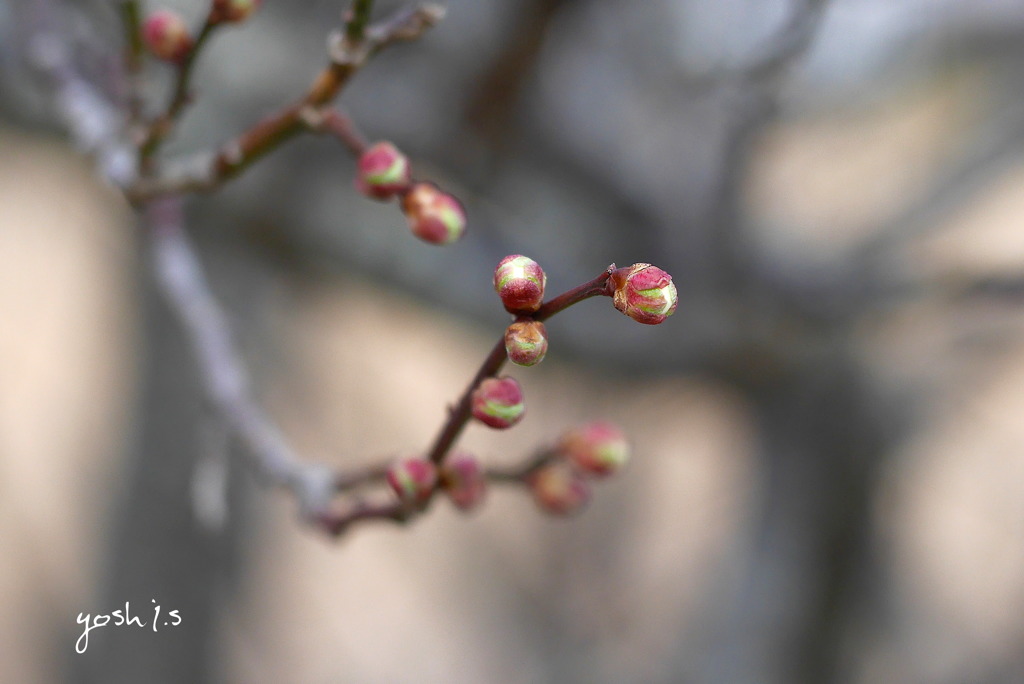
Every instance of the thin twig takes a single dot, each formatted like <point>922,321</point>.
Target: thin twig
<point>181,95</point>
<point>208,172</point>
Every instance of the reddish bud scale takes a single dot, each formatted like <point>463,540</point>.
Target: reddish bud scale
<point>166,36</point>
<point>558,489</point>
<point>412,479</point>
<point>498,402</point>
<point>382,172</point>
<point>520,282</point>
<point>233,11</point>
<point>645,293</point>
<point>434,216</point>
<point>599,448</point>
<point>526,342</point>
<point>463,480</point>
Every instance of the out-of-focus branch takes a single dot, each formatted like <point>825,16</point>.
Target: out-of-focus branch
<point>223,374</point>
<point>95,124</point>
<point>1000,145</point>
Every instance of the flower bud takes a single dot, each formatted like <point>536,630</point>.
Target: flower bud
<point>520,281</point>
<point>526,342</point>
<point>598,448</point>
<point>383,171</point>
<point>498,402</point>
<point>412,479</point>
<point>558,489</point>
<point>167,36</point>
<point>434,216</point>
<point>463,480</point>
<point>645,293</point>
<point>233,10</point>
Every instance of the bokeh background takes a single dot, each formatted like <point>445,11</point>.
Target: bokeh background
<point>829,451</point>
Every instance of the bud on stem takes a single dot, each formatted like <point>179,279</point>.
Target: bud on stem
<point>382,172</point>
<point>498,402</point>
<point>167,36</point>
<point>643,292</point>
<point>412,479</point>
<point>599,448</point>
<point>463,480</point>
<point>434,216</point>
<point>520,282</point>
<point>558,489</point>
<point>526,342</point>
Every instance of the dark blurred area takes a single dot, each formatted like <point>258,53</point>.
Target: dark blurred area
<point>829,457</point>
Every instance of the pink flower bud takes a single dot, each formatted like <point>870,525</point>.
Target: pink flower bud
<point>558,489</point>
<point>526,342</point>
<point>383,171</point>
<point>520,281</point>
<point>233,10</point>
<point>645,293</point>
<point>166,35</point>
<point>434,216</point>
<point>463,480</point>
<point>412,479</point>
<point>498,402</point>
<point>598,448</point>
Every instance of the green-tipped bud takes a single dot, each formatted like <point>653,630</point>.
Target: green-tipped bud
<point>559,489</point>
<point>434,216</point>
<point>520,281</point>
<point>526,342</point>
<point>645,293</point>
<point>412,479</point>
<point>382,172</point>
<point>462,477</point>
<point>498,402</point>
<point>598,448</point>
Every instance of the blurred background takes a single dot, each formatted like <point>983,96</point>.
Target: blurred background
<point>829,452</point>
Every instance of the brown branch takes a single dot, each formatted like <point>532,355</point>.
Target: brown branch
<point>305,114</point>
<point>181,95</point>
<point>460,414</point>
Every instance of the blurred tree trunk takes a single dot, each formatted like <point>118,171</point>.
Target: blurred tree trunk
<point>160,553</point>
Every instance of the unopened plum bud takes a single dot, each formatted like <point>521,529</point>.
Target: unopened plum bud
<point>166,35</point>
<point>526,342</point>
<point>559,489</point>
<point>498,402</point>
<point>434,216</point>
<point>383,171</point>
<point>462,477</point>
<point>645,293</point>
<point>598,448</point>
<point>233,10</point>
<point>520,281</point>
<point>412,479</point>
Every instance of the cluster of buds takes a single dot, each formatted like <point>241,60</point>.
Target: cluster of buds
<point>434,216</point>
<point>562,485</point>
<point>166,36</point>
